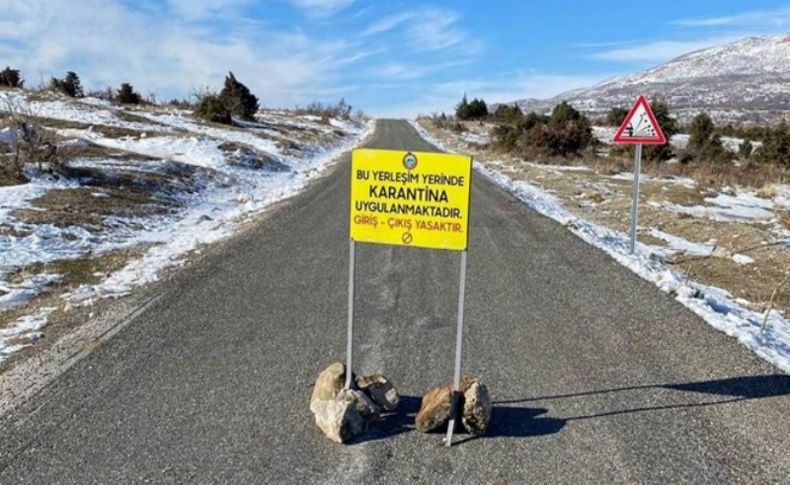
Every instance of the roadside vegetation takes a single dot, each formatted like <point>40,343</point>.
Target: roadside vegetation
<point>715,200</point>
<point>566,136</point>
<point>94,183</point>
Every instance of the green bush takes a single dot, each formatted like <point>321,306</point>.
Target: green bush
<point>704,143</point>
<point>471,110</point>
<point>776,146</point>
<point>507,113</point>
<point>69,85</point>
<point>341,109</point>
<point>745,149</point>
<point>566,132</point>
<point>700,131</point>
<point>210,107</point>
<point>616,116</point>
<point>10,78</point>
<point>669,127</point>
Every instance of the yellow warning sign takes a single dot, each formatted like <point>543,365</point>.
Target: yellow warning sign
<point>410,198</point>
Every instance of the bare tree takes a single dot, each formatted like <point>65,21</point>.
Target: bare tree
<point>29,142</point>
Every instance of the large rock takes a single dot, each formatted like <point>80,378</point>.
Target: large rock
<point>341,414</point>
<point>477,407</point>
<point>435,409</point>
<point>330,381</point>
<point>474,407</point>
<point>366,408</point>
<point>339,419</point>
<point>380,390</point>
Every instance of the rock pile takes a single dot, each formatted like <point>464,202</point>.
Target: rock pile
<point>343,414</point>
<point>474,405</point>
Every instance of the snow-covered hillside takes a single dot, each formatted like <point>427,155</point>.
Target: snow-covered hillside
<point>140,189</point>
<point>746,80</point>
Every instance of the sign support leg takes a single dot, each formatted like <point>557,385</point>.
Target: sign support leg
<point>635,201</point>
<point>458,348</point>
<point>350,334</point>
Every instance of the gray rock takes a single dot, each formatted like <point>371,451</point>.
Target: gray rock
<point>339,419</point>
<point>366,408</point>
<point>380,390</point>
<point>341,414</point>
<point>330,381</point>
<point>435,409</point>
<point>477,406</point>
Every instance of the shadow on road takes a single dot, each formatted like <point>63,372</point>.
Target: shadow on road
<point>506,422</point>
<point>394,423</point>
<point>517,422</point>
<point>735,388</point>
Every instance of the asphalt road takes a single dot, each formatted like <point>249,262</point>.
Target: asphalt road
<point>597,376</point>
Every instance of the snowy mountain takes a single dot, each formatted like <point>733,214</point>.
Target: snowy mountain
<point>746,80</point>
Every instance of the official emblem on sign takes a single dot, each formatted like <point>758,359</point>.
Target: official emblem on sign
<point>410,161</point>
<point>640,126</point>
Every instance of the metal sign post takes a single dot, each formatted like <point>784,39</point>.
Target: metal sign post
<point>459,338</point>
<point>639,127</point>
<point>350,332</point>
<point>635,201</point>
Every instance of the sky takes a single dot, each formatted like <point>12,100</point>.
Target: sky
<point>393,58</point>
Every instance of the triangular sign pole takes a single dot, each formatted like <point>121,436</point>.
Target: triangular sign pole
<point>639,127</point>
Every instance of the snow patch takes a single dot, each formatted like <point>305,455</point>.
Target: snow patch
<point>715,305</point>
<point>23,332</point>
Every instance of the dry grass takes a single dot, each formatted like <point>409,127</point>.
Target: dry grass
<point>87,270</point>
<point>596,196</point>
<point>80,207</point>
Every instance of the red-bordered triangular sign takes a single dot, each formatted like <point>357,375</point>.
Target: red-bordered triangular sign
<point>640,126</point>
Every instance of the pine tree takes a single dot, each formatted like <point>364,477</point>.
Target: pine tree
<point>462,109</point>
<point>10,78</point>
<point>70,85</point>
<point>776,146</point>
<point>238,99</point>
<point>700,131</point>
<point>127,95</point>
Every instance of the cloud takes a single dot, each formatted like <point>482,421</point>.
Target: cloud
<point>777,18</point>
<point>109,42</point>
<point>321,8</point>
<point>396,71</point>
<point>388,23</point>
<point>659,51</point>
<point>175,47</point>
<point>197,9</point>
<point>426,29</point>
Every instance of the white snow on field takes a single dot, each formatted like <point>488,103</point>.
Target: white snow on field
<point>218,197</point>
<point>714,305</point>
<point>677,243</point>
<point>605,134</point>
<point>22,332</point>
<point>478,138</point>
<point>742,259</point>
<point>184,122</point>
<point>86,110</point>
<point>192,150</point>
<point>215,214</point>
<point>629,177</point>
<point>744,206</point>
